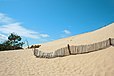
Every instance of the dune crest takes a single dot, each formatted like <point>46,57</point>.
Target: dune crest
<point>82,39</point>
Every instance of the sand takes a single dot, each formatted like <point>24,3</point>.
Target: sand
<point>82,39</point>
<point>99,63</point>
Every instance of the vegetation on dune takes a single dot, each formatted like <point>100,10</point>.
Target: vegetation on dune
<point>12,43</point>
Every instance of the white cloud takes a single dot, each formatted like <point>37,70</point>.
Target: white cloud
<point>44,35</point>
<point>4,19</point>
<point>11,26</point>
<point>67,31</point>
<point>3,37</point>
<point>18,29</point>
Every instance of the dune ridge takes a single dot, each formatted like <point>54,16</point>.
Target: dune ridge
<point>99,63</point>
<point>82,39</point>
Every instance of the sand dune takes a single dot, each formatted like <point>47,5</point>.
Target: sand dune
<point>87,38</point>
<point>99,63</point>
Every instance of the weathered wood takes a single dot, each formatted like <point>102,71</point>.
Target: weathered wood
<point>73,50</point>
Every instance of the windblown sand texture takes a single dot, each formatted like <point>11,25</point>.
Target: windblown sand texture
<point>98,63</point>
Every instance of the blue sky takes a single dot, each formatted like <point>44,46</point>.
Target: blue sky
<point>40,21</point>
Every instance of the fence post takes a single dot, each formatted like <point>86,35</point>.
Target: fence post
<point>69,49</point>
<point>110,41</point>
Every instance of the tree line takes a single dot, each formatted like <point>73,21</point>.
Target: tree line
<point>13,43</point>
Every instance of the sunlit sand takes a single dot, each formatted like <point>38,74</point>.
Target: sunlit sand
<point>98,63</point>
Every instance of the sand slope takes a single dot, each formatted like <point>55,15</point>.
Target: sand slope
<point>99,63</point>
<point>87,38</point>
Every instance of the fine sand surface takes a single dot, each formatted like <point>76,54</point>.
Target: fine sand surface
<point>99,63</point>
